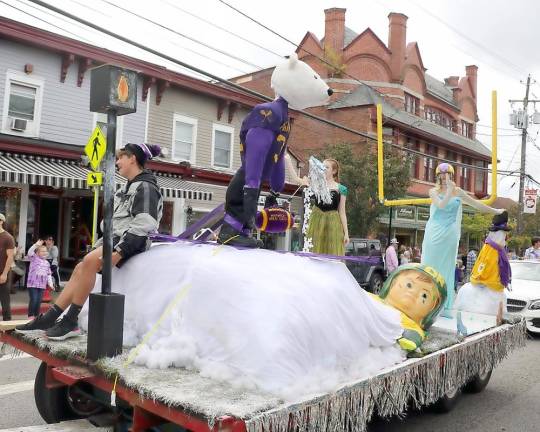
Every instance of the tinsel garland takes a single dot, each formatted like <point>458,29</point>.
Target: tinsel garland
<point>420,381</point>
<point>417,382</point>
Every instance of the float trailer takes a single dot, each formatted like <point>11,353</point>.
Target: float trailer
<point>68,386</point>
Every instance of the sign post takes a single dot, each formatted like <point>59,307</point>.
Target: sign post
<point>112,91</point>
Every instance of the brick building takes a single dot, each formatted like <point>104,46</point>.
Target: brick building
<point>436,118</point>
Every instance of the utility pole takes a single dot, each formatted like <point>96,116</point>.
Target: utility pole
<point>522,124</point>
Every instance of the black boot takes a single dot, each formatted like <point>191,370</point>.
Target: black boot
<point>228,235</point>
<point>251,198</point>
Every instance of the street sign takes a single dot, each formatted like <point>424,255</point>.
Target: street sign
<point>529,201</point>
<point>94,178</point>
<point>95,148</point>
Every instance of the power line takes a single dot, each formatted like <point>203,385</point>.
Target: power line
<point>183,35</point>
<point>193,68</point>
<point>222,28</point>
<point>464,36</point>
<point>45,21</point>
<point>499,128</point>
<point>238,87</point>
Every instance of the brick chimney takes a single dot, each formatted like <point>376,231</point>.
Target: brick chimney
<point>451,81</point>
<point>471,73</point>
<point>397,41</point>
<point>334,29</point>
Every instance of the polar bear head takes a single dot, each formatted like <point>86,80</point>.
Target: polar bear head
<point>297,83</point>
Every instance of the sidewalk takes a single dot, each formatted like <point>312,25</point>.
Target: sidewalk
<point>19,304</point>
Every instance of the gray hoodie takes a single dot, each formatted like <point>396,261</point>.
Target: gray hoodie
<point>137,211</point>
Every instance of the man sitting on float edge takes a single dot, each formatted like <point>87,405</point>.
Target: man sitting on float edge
<point>137,211</point>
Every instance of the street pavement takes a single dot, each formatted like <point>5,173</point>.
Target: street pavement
<point>509,403</point>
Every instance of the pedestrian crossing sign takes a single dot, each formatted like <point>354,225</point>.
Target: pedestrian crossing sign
<point>95,148</point>
<point>94,178</point>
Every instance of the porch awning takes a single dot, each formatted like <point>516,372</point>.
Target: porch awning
<point>68,174</point>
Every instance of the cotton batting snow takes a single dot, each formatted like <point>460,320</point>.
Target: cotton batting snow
<point>281,323</point>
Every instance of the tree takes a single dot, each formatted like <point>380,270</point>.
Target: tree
<point>358,172</point>
<point>476,225</point>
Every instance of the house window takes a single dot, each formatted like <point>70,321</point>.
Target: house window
<point>439,117</point>
<point>222,138</point>
<point>22,106</point>
<point>430,163</point>
<point>480,178</point>
<point>415,159</point>
<point>100,119</point>
<point>184,138</point>
<point>466,129</point>
<point>412,104</point>
<point>465,179</point>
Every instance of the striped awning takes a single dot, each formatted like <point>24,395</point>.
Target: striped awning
<point>69,174</point>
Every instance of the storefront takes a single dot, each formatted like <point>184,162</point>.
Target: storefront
<point>49,197</point>
<point>407,225</point>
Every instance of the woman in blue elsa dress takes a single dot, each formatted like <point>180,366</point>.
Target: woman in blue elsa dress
<point>443,229</point>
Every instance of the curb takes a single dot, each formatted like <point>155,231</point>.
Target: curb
<point>23,310</point>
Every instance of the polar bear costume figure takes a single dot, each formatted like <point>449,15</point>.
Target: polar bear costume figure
<point>263,144</point>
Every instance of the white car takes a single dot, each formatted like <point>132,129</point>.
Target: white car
<point>524,297</point>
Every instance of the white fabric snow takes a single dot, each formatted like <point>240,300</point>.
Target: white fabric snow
<point>478,298</point>
<point>281,323</point>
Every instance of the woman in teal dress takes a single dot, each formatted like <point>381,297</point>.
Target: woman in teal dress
<point>443,229</point>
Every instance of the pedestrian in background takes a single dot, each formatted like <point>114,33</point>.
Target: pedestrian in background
<point>391,259</point>
<point>471,259</point>
<point>39,276</point>
<point>7,251</point>
<point>52,257</point>
<point>533,253</point>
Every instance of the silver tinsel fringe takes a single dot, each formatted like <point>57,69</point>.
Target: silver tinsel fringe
<point>416,382</point>
<point>420,381</point>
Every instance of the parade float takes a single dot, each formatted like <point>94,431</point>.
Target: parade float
<point>229,338</point>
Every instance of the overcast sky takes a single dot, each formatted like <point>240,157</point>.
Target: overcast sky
<point>500,37</point>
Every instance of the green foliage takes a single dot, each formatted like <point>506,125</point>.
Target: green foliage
<point>476,225</point>
<point>334,61</point>
<point>358,171</point>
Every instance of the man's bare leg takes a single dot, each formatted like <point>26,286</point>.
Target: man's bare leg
<point>82,280</point>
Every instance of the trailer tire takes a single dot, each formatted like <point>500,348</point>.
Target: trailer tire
<point>478,383</point>
<point>51,403</point>
<point>447,403</point>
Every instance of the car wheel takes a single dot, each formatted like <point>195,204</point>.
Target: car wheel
<point>375,283</point>
<point>447,402</point>
<point>478,383</point>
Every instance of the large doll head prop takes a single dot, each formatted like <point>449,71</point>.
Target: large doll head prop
<point>299,84</point>
<point>417,290</point>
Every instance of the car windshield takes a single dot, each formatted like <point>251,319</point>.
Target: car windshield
<point>525,270</point>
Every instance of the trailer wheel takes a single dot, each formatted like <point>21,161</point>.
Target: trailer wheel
<point>52,404</point>
<point>80,403</point>
<point>447,402</point>
<point>479,382</point>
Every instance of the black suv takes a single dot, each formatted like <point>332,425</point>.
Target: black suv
<point>369,274</point>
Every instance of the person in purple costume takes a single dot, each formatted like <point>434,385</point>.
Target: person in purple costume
<point>263,144</point>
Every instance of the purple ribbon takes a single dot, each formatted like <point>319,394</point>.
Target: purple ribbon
<point>505,272</point>
<point>373,260</point>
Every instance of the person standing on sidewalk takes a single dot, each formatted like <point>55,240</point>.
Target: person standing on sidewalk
<point>391,258</point>
<point>7,251</point>
<point>39,276</point>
